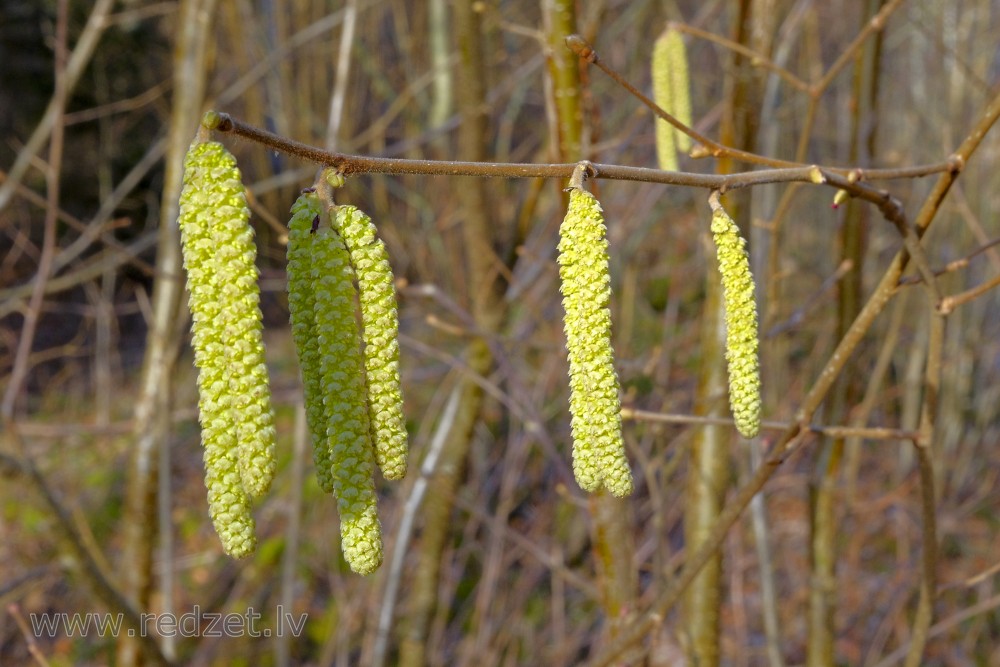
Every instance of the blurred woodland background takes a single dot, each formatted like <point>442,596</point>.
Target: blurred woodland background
<point>494,555</point>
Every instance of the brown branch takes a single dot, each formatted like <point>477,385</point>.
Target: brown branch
<point>348,164</point>
<point>876,23</point>
<point>792,438</point>
<point>29,637</point>
<point>867,433</point>
<point>52,186</point>
<point>953,265</point>
<point>949,303</point>
<point>97,22</point>
<point>924,447</point>
<point>98,578</point>
<point>756,59</point>
<point>719,150</point>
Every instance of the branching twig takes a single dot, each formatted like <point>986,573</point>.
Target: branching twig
<point>52,185</point>
<point>103,586</point>
<point>924,448</point>
<point>792,439</point>
<point>872,433</point>
<point>754,57</point>
<point>75,65</point>
<point>361,164</point>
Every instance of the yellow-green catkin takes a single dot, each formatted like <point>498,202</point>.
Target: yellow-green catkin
<point>595,408</point>
<point>672,92</point>
<point>306,213</point>
<point>380,331</point>
<point>741,323</point>
<point>341,369</point>
<point>212,206</point>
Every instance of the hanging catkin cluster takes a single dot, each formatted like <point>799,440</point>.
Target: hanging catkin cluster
<point>741,323</point>
<point>353,397</point>
<point>672,93</point>
<point>234,393</point>
<point>598,446</point>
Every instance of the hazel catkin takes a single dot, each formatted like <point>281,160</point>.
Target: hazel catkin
<point>671,92</point>
<point>234,395</point>
<point>380,333</point>
<point>741,323</point>
<point>306,212</point>
<point>341,370</point>
<point>598,446</point>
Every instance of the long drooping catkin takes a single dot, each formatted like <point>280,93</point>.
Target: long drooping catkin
<point>741,323</point>
<point>598,446</point>
<point>672,92</point>
<point>301,306</point>
<point>380,332</point>
<point>341,370</point>
<point>234,397</point>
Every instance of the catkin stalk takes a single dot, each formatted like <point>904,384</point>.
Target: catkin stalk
<point>598,446</point>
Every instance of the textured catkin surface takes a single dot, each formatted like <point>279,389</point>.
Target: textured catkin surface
<point>212,203</point>
<point>671,91</point>
<point>380,331</point>
<point>301,307</point>
<point>598,446</point>
<point>741,324</point>
<point>351,456</point>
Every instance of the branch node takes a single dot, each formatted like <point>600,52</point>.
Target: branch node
<point>700,151</point>
<point>581,47</point>
<point>816,175</point>
<point>584,169</point>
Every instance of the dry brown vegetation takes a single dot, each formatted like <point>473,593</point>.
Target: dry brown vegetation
<point>494,555</point>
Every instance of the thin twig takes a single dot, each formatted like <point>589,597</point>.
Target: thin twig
<point>293,515</point>
<point>52,185</point>
<point>361,164</point>
<point>924,448</point>
<point>791,439</point>
<point>944,626</point>
<point>29,637</point>
<point>103,586</point>
<point>407,524</point>
<point>949,303</point>
<point>97,22</point>
<point>954,265</point>
<point>343,72</point>
<point>755,58</point>
<point>869,433</point>
<point>719,150</point>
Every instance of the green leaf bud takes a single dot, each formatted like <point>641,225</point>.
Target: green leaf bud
<point>741,323</point>
<point>598,446</point>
